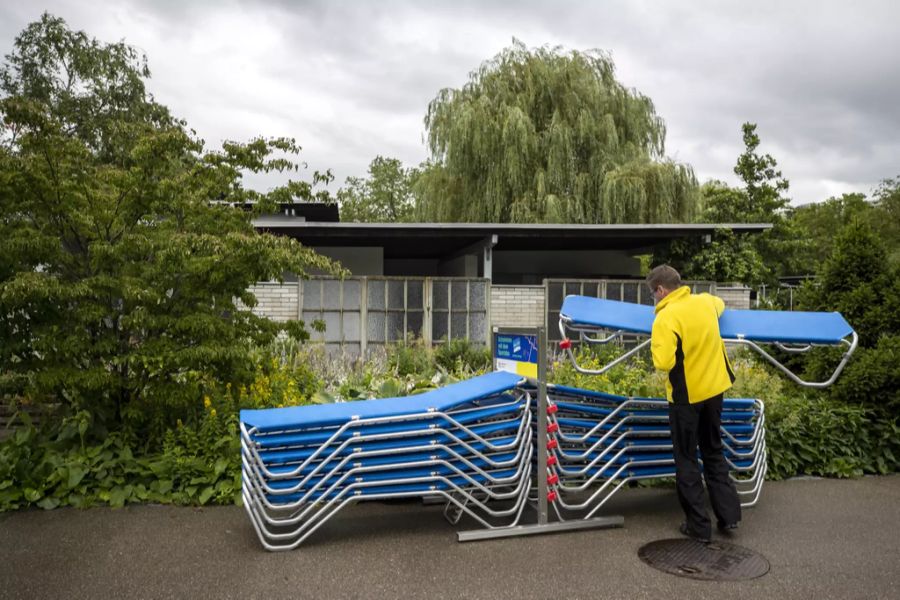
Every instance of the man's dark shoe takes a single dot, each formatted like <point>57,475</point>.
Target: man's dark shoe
<point>724,527</point>
<point>687,532</point>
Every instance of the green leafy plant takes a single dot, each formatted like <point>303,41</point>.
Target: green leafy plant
<point>460,354</point>
<point>634,377</point>
<point>816,435</point>
<point>59,466</point>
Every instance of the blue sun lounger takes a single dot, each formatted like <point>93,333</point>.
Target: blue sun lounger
<point>788,331</point>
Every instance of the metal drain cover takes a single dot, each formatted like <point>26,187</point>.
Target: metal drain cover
<point>719,561</point>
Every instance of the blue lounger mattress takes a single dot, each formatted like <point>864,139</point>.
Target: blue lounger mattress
<point>427,423</point>
<point>323,415</point>
<point>755,325</point>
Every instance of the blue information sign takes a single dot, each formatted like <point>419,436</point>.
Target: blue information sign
<point>516,353</point>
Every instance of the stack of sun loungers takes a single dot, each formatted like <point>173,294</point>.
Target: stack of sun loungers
<point>469,443</point>
<point>599,442</point>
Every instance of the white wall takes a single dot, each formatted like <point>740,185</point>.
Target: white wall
<point>734,297</point>
<point>277,301</point>
<point>517,306</point>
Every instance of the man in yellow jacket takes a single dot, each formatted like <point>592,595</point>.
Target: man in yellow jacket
<point>686,344</point>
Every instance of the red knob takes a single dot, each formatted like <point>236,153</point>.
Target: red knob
<point>551,460</point>
<point>552,427</point>
<point>551,497</point>
<point>565,344</point>
<point>553,479</point>
<point>552,444</point>
<point>552,409</point>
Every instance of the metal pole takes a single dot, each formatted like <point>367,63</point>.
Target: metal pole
<point>541,470</point>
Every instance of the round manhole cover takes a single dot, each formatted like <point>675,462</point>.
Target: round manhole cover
<point>714,561</point>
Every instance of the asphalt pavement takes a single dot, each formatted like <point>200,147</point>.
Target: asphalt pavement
<point>823,538</point>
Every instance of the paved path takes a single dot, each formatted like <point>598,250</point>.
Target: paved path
<point>823,538</point>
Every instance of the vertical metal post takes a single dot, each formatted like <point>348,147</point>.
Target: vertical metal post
<point>363,316</point>
<point>299,298</point>
<point>427,292</point>
<point>541,470</point>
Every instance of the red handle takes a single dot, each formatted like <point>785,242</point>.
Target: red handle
<point>565,344</point>
<point>552,427</point>
<point>551,497</point>
<point>553,479</point>
<point>552,444</point>
<point>551,460</point>
<point>552,409</point>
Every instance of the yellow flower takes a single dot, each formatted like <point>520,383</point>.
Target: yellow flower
<point>207,402</point>
<point>212,413</point>
<point>179,423</point>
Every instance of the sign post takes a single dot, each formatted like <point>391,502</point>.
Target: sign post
<point>524,351</point>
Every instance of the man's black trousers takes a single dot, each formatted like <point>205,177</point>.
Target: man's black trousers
<point>693,426</point>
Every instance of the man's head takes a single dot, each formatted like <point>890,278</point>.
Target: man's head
<point>662,280</point>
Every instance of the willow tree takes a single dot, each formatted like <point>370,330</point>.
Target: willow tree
<point>545,136</point>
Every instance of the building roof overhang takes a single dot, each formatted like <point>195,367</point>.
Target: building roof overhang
<point>438,240</point>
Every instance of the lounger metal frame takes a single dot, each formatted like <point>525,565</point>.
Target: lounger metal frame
<point>566,325</point>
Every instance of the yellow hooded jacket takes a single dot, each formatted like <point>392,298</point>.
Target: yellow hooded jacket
<point>686,343</point>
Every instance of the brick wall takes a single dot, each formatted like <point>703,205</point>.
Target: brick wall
<point>517,306</point>
<point>278,301</point>
<point>734,297</point>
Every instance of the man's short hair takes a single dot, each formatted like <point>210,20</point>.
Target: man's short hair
<point>664,276</point>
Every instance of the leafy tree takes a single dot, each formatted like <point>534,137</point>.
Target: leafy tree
<point>543,136</point>
<point>764,187</point>
<point>727,256</point>
<point>819,222</point>
<point>763,184</point>
<point>858,281</point>
<point>123,288</point>
<point>887,216</point>
<point>386,196</point>
<point>752,259</point>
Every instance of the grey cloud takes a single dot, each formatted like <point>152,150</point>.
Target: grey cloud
<point>353,79</point>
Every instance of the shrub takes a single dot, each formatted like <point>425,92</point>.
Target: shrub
<point>857,281</point>
<point>872,378</point>
<point>812,434</point>
<point>413,357</point>
<point>57,466</point>
<point>462,355</point>
<point>634,377</point>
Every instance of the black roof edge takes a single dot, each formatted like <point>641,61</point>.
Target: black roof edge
<point>279,222</point>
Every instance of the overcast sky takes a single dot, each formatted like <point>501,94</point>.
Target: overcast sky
<point>352,80</point>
